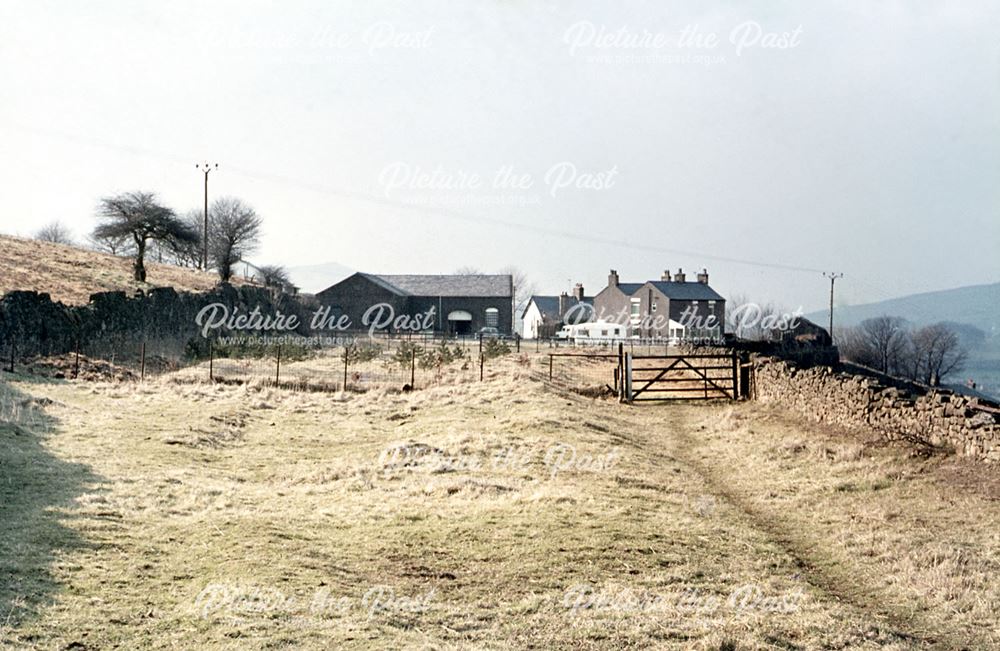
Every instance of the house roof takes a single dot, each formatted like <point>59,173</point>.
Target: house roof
<point>549,305</point>
<point>499,285</point>
<point>686,291</point>
<point>630,288</point>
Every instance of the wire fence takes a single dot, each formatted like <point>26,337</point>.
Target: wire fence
<point>352,363</point>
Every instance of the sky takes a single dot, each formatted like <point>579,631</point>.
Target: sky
<point>765,141</point>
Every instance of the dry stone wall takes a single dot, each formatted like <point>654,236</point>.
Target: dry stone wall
<point>33,324</point>
<point>938,418</point>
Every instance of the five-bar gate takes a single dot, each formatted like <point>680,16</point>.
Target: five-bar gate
<point>696,376</point>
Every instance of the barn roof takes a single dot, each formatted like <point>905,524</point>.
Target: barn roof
<point>499,285</point>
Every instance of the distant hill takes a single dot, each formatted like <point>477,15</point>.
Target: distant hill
<point>317,277</point>
<point>977,305</point>
<point>71,274</point>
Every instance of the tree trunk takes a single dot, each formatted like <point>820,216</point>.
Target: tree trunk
<point>139,267</point>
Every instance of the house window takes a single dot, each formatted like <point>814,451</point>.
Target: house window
<point>492,317</point>
<point>635,308</point>
<point>604,333</point>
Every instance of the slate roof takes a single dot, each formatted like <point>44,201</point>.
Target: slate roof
<point>630,288</point>
<point>686,291</point>
<point>549,305</point>
<point>465,285</point>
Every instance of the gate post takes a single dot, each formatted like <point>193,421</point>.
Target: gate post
<point>620,373</point>
<point>735,374</point>
<point>628,378</point>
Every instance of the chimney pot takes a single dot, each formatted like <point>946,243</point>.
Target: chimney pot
<point>578,291</point>
<point>666,275</point>
<point>679,277</point>
<point>703,277</point>
<point>613,278</point>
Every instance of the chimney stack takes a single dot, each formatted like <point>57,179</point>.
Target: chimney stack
<point>563,304</point>
<point>666,275</point>
<point>613,278</point>
<point>703,277</point>
<point>679,277</point>
<point>578,292</point>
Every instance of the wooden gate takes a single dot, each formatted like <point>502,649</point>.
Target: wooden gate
<point>697,376</point>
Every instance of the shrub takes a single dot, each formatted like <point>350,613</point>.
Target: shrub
<point>404,354</point>
<point>495,348</point>
<point>197,349</point>
<point>356,352</point>
<point>441,355</point>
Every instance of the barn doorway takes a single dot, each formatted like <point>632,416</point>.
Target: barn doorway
<point>460,322</point>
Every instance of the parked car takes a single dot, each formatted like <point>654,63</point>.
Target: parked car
<point>489,333</point>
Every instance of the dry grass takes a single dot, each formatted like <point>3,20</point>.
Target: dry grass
<point>71,274</point>
<point>173,515</point>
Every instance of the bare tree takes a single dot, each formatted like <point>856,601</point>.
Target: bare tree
<point>751,320</point>
<point>113,245</point>
<point>937,352</point>
<point>882,343</point>
<point>885,338</point>
<point>55,233</point>
<point>523,289</point>
<point>139,217</point>
<point>185,253</point>
<point>276,277</point>
<point>468,271</point>
<point>233,232</point>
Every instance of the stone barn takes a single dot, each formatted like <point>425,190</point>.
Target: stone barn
<point>460,304</point>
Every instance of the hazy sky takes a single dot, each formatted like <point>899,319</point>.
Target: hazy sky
<point>860,137</point>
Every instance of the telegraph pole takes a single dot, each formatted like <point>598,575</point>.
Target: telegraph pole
<point>833,276</point>
<point>206,168</point>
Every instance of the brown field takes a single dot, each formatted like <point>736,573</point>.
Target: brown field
<point>71,274</point>
<point>505,514</point>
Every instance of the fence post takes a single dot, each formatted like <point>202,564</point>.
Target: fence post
<point>413,366</point>
<point>480,344</point>
<point>482,359</point>
<point>13,347</point>
<point>76,362</point>
<point>550,367</point>
<point>277,368</point>
<point>142,362</point>
<point>517,342</point>
<point>211,361</point>
<point>346,356</point>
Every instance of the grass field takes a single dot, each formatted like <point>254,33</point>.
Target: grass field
<point>496,515</point>
<point>71,274</point>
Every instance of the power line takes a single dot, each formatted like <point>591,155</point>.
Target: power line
<point>439,212</point>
